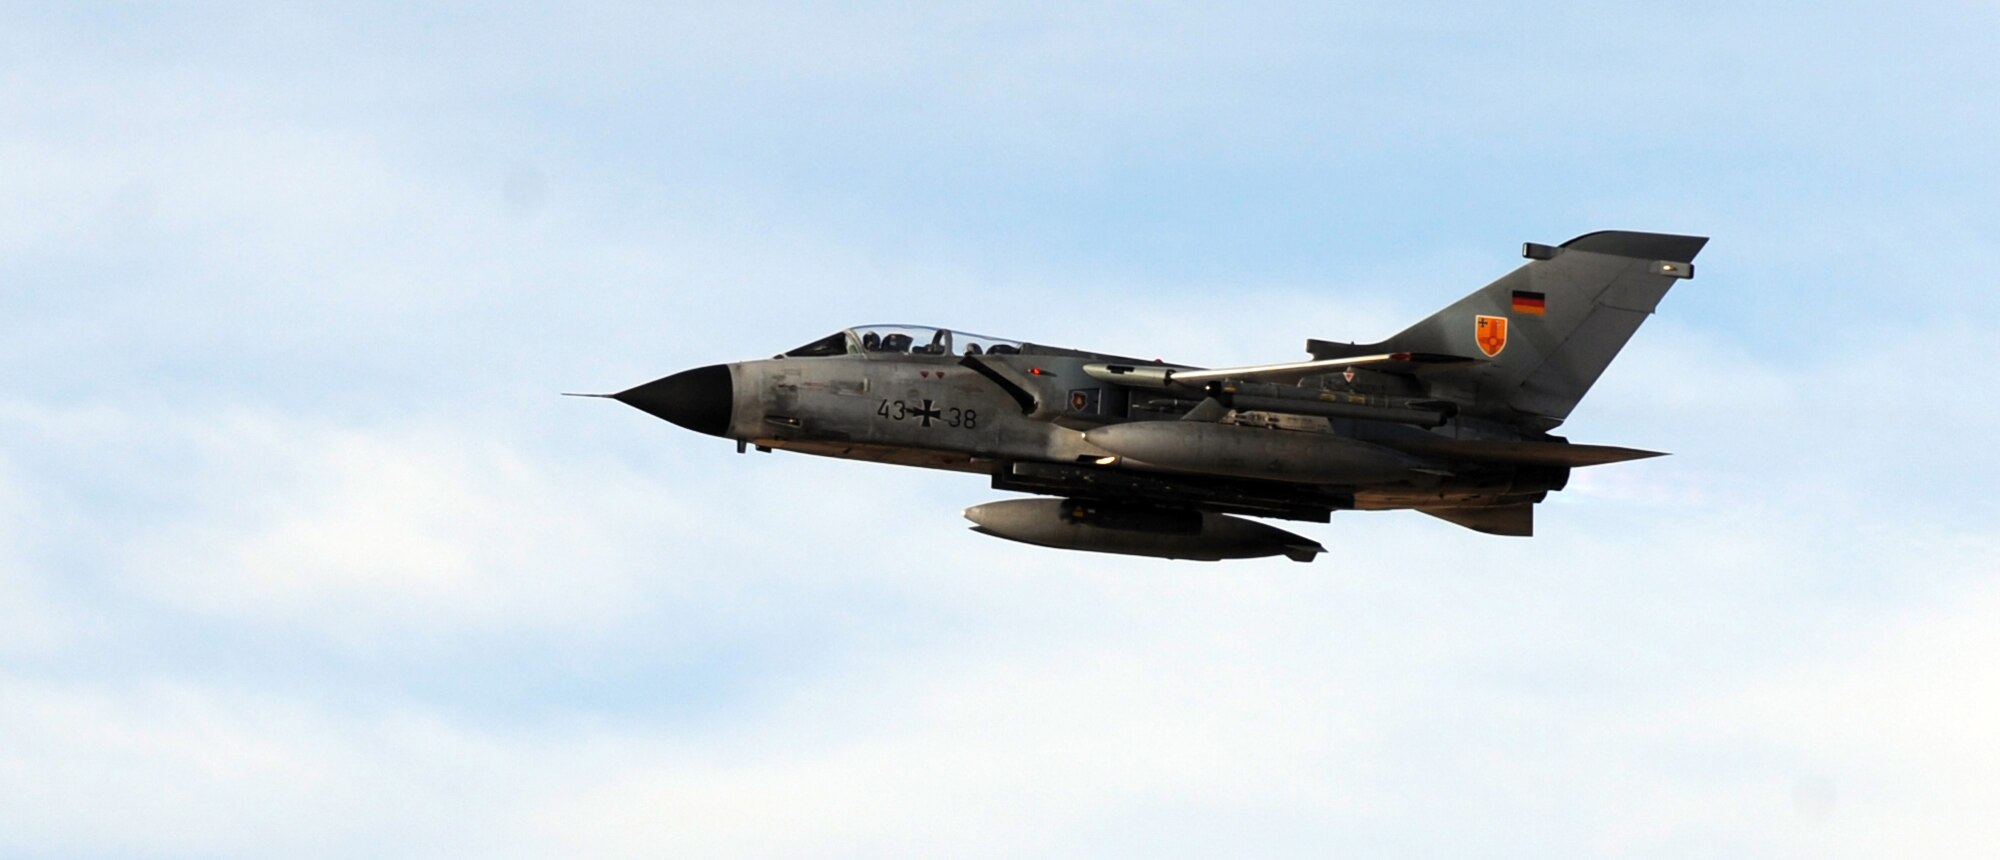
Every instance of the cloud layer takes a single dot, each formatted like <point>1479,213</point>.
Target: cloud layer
<point>299,548</point>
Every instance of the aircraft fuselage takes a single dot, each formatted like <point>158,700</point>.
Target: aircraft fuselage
<point>1449,417</point>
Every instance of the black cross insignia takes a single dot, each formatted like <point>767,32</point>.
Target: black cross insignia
<point>927,413</point>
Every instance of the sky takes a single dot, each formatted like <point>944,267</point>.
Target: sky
<point>302,554</point>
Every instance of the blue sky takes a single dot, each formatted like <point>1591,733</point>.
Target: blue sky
<point>300,553</point>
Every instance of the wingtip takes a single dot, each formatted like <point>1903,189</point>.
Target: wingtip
<point>581,394</point>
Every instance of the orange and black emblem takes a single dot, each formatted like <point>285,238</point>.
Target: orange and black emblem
<point>1490,333</point>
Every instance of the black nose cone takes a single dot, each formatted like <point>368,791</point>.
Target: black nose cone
<point>700,399</point>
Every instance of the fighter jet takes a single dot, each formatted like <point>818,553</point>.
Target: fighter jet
<point>1450,417</point>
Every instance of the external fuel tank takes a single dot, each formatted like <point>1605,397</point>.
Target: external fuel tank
<point>1137,530</point>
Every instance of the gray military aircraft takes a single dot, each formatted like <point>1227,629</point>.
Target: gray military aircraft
<point>1450,417</point>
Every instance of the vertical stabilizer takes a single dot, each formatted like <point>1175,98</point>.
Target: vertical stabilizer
<point>1548,329</point>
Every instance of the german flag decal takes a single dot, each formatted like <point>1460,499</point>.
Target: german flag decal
<point>1530,303</point>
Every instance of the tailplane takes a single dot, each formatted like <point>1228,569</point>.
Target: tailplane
<point>1516,520</point>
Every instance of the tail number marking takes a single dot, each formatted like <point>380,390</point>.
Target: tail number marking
<point>929,411</point>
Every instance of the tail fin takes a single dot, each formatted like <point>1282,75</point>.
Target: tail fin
<point>1547,329</point>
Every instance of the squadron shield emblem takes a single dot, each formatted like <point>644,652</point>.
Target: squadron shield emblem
<point>1490,333</point>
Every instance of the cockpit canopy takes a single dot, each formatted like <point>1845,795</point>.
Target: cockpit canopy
<point>905,340</point>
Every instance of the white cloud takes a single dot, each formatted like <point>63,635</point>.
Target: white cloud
<point>417,530</point>
<point>1641,696</point>
<point>164,768</point>
<point>1167,710</point>
<point>31,621</point>
<point>297,549</point>
<point>1891,749</point>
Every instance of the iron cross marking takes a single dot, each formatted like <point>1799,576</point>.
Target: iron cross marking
<point>928,412</point>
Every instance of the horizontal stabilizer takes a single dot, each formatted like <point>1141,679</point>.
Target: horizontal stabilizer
<point>1507,520</point>
<point>1304,551</point>
<point>1518,453</point>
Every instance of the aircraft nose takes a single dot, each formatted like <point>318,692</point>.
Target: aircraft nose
<point>701,399</point>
